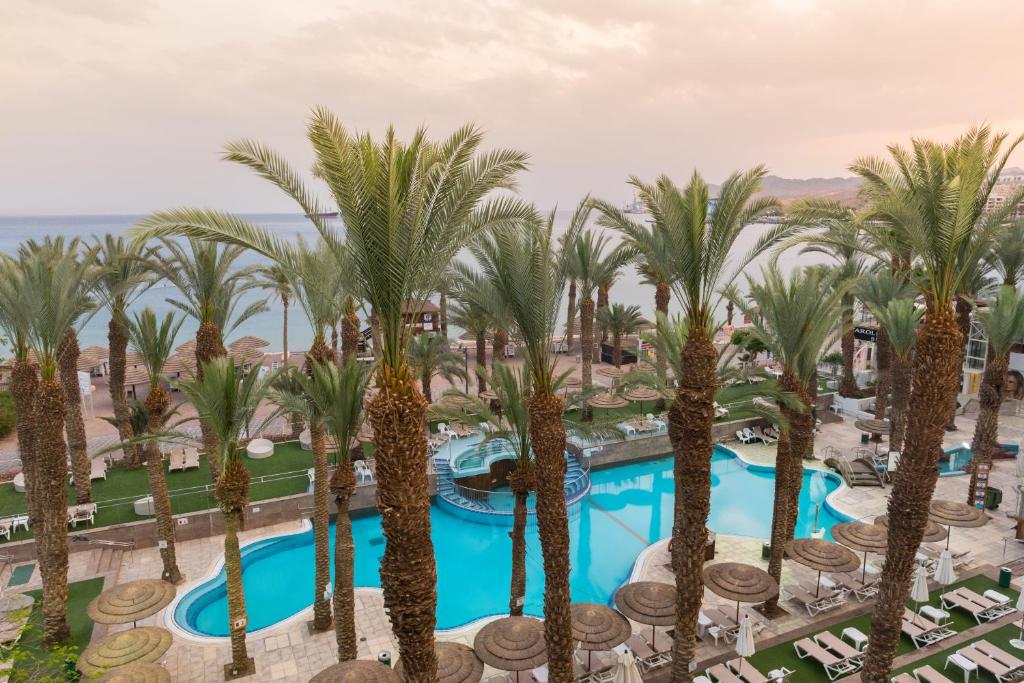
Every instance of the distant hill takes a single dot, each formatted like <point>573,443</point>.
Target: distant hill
<point>790,189</point>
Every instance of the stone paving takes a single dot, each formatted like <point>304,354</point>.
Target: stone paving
<point>288,652</point>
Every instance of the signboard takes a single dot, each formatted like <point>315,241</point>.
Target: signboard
<point>241,623</point>
<point>982,486</point>
<point>84,384</point>
<point>865,333</point>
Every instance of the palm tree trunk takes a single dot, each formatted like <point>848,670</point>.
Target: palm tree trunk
<point>25,387</point>
<point>342,484</point>
<point>900,396</point>
<point>690,418</point>
<point>602,303</point>
<point>375,335</point>
<point>848,387</point>
<point>67,355</point>
<point>117,338</point>
<point>209,345</point>
<point>284,329</point>
<point>498,350</point>
<point>233,496</point>
<point>425,377</point>
<point>783,465</point>
<point>349,334</point>
<point>547,433</point>
<point>321,527</point>
<point>586,357</point>
<point>883,383</point>
<point>481,361</point>
<point>963,321</point>
<point>662,296</point>
<point>156,405</point>
<point>442,312</point>
<point>986,430</point>
<point>52,543</point>
<point>408,573</point>
<point>617,349</point>
<point>570,316</point>
<point>520,480</point>
<point>935,383</point>
<point>730,309</point>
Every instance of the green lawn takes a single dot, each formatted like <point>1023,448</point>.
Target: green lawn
<point>190,491</point>
<point>807,670</point>
<point>31,661</point>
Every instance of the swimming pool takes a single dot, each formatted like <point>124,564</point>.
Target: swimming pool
<point>629,507</point>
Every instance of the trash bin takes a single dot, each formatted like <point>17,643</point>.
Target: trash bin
<point>384,658</point>
<point>993,497</point>
<point>1005,575</point>
<point>766,551</point>
<point>865,438</point>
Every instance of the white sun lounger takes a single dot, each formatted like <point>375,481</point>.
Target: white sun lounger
<point>834,665</point>
<point>98,469</point>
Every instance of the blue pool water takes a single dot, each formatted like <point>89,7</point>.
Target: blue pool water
<point>629,507</point>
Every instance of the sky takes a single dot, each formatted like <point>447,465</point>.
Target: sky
<point>122,106</point>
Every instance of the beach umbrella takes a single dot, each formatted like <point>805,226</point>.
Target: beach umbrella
<point>572,381</point>
<point>187,347</point>
<point>512,644</point>
<point>944,573</point>
<point>874,427</point>
<point>456,663</point>
<point>248,342</point>
<point>640,394</point>
<point>1019,641</point>
<point>738,582</point>
<point>608,401</point>
<point>745,642</point>
<point>822,556</point>
<point>488,395</point>
<point>598,627</point>
<point>137,673</point>
<point>648,602</point>
<point>933,533</point>
<point>129,602</point>
<point>612,372</point>
<point>919,591</point>
<point>866,538</point>
<point>953,513</point>
<point>136,375</point>
<point>357,671</point>
<point>626,670</point>
<point>138,645</point>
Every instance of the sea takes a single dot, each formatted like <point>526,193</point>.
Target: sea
<point>628,289</point>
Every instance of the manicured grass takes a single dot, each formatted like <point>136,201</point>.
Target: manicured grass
<point>1000,637</point>
<point>31,655</point>
<point>190,491</point>
<point>808,670</point>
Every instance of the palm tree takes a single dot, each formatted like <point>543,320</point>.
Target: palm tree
<point>350,332</point>
<point>890,300</point>
<point>430,355</point>
<point>473,319</point>
<point>700,242</point>
<point>332,396</point>
<point>975,283</point>
<point>226,400</point>
<point>53,283</point>
<point>1006,259</point>
<point>74,423</point>
<point>205,274</point>
<point>124,275</point>
<point>407,208</point>
<point>620,321</point>
<point>153,340</point>
<point>1003,323</point>
<point>274,277</point>
<point>931,198</point>
<point>609,267</point>
<point>797,319</point>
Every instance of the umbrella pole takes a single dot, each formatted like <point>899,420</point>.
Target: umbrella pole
<point>817,586</point>
<point>737,612</point>
<point>949,532</point>
<point>654,636</point>
<point>864,568</point>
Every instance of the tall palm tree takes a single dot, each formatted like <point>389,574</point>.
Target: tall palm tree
<point>54,280</point>
<point>209,283</point>
<point>700,242</point>
<point>974,285</point>
<point>932,198</point>
<point>226,400</point>
<point>1003,323</point>
<point>430,355</point>
<point>1006,259</point>
<point>797,319</point>
<point>124,275</point>
<point>153,340</point>
<point>610,267</point>
<point>890,300</point>
<point>74,422</point>
<point>620,321</point>
<point>274,277</point>
<point>407,208</point>
<point>474,319</point>
<point>332,396</point>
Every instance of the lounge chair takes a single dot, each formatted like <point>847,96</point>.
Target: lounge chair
<point>985,662</point>
<point>720,673</point>
<point>926,674</point>
<point>363,473</point>
<point>862,590</point>
<point>5,528</point>
<point>743,437</point>
<point>749,673</point>
<point>98,469</point>
<point>815,604</point>
<point>998,654</point>
<point>837,645</point>
<point>922,631</point>
<point>960,559</point>
<point>86,512</point>
<point>639,648</point>
<point>834,665</point>
<point>759,433</point>
<point>191,459</point>
<point>979,607</point>
<point>749,433</point>
<point>176,461</point>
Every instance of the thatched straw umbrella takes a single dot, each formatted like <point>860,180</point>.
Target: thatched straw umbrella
<point>137,673</point>
<point>612,372</point>
<point>598,627</point>
<point>639,394</point>
<point>608,401</point>
<point>648,602</point>
<point>953,513</point>
<point>822,556</point>
<point>248,342</point>
<point>488,395</point>
<point>138,645</point>
<point>512,644</point>
<point>866,538</point>
<point>933,533</point>
<point>187,347</point>
<point>129,602</point>
<point>740,582</point>
<point>456,663</point>
<point>874,427</point>
<point>357,671</point>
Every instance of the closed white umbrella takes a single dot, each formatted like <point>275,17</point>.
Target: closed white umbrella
<point>919,591</point>
<point>1019,642</point>
<point>745,641</point>
<point>626,671</point>
<point>944,574</point>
